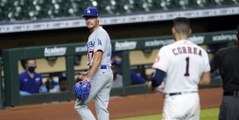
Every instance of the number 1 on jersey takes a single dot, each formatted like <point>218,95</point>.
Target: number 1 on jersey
<point>187,67</point>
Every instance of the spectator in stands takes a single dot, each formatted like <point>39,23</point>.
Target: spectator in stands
<point>30,81</point>
<point>116,58</point>
<point>210,52</point>
<point>117,78</point>
<point>52,83</point>
<point>136,78</point>
<point>77,60</point>
<point>62,81</point>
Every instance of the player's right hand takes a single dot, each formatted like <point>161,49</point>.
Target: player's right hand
<point>160,88</point>
<point>84,73</point>
<point>150,87</point>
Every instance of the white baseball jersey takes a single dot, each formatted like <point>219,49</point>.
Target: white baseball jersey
<point>183,62</point>
<point>99,40</point>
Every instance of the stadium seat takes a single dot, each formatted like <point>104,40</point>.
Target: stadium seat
<point>18,10</point>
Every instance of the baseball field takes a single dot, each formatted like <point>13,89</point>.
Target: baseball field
<point>134,107</point>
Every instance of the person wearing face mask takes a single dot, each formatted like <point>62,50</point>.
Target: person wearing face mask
<point>30,81</point>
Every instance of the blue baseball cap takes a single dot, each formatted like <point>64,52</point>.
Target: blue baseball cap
<point>91,12</point>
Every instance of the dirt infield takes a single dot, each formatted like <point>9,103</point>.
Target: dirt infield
<point>119,107</point>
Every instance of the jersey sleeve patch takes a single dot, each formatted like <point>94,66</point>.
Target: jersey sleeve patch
<point>100,44</point>
<point>161,61</point>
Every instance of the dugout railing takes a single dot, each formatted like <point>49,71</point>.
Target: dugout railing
<point>11,57</point>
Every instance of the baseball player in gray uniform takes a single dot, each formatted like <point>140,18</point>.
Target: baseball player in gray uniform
<point>181,65</point>
<point>99,73</point>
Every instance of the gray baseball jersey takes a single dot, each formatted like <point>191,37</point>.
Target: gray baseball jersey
<point>99,40</point>
<point>101,82</point>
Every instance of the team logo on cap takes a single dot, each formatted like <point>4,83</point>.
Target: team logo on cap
<point>88,11</point>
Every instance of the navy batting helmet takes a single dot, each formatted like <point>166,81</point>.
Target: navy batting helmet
<point>91,12</point>
<point>81,89</point>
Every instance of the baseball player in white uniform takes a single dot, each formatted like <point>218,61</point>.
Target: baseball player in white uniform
<point>99,73</point>
<point>181,66</point>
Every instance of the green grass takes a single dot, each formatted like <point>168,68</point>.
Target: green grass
<point>209,114</point>
<point>206,114</point>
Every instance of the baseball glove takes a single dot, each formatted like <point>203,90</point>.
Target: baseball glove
<point>81,89</point>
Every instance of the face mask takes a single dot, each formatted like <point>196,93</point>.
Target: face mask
<point>31,69</point>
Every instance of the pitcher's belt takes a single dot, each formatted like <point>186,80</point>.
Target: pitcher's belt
<point>102,67</point>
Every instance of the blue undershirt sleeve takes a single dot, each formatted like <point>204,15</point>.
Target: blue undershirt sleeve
<point>158,77</point>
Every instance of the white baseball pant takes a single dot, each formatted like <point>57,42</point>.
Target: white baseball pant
<point>185,106</point>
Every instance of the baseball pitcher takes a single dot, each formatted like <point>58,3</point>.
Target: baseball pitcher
<point>99,73</point>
